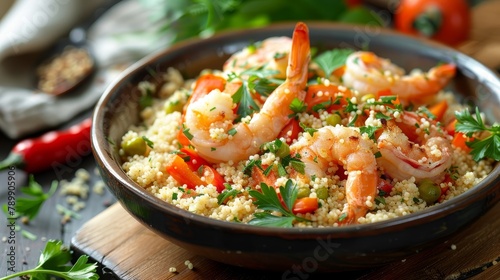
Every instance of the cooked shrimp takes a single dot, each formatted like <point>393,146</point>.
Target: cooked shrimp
<point>271,54</point>
<point>407,151</point>
<point>210,118</point>
<point>345,146</point>
<point>368,73</point>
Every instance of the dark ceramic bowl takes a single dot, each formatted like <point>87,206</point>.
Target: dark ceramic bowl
<point>321,249</point>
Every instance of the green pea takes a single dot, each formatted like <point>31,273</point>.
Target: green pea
<point>134,146</point>
<point>333,119</point>
<point>283,150</point>
<point>322,193</point>
<point>303,192</point>
<point>429,191</point>
<point>172,106</point>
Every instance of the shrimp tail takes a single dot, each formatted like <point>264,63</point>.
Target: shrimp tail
<point>300,55</point>
<point>443,73</point>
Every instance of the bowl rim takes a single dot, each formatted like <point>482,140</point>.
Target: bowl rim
<point>423,216</point>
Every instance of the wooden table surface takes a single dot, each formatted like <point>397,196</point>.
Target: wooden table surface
<point>478,246</point>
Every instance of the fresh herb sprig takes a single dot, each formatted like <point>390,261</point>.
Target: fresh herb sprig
<point>29,205</point>
<point>488,147</point>
<point>53,262</point>
<point>267,199</point>
<point>258,82</point>
<point>330,61</point>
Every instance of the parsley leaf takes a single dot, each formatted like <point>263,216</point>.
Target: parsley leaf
<point>481,148</point>
<point>267,219</point>
<point>330,61</point>
<point>52,262</point>
<point>298,106</point>
<point>30,205</point>
<point>369,130</point>
<point>269,201</point>
<point>247,105</point>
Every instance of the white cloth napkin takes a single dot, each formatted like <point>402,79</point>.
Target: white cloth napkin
<point>123,35</point>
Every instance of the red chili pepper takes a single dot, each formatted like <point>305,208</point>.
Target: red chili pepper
<point>38,154</point>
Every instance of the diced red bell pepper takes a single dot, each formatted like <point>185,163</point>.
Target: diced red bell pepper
<point>313,98</point>
<point>291,131</point>
<point>213,177</point>
<point>384,186</point>
<point>192,158</point>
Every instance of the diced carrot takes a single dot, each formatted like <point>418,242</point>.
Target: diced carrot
<point>459,141</point>
<point>305,205</point>
<point>181,172</point>
<point>439,109</point>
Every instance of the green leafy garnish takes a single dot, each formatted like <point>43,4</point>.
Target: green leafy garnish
<point>369,130</point>
<point>269,201</point>
<point>227,194</point>
<point>380,200</point>
<point>488,147</point>
<point>186,132</point>
<point>30,205</point>
<point>148,142</point>
<point>298,106</point>
<point>307,129</point>
<point>247,170</point>
<point>257,81</point>
<point>53,262</point>
<point>330,61</point>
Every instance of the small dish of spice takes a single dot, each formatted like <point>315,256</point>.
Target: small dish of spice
<point>65,71</point>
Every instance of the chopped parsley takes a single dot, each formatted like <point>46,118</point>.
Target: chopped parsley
<point>226,194</point>
<point>186,132</point>
<point>369,130</point>
<point>148,142</point>
<point>232,131</point>
<point>309,130</point>
<point>298,106</point>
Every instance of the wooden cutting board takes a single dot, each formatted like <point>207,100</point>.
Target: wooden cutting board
<point>128,250</point>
